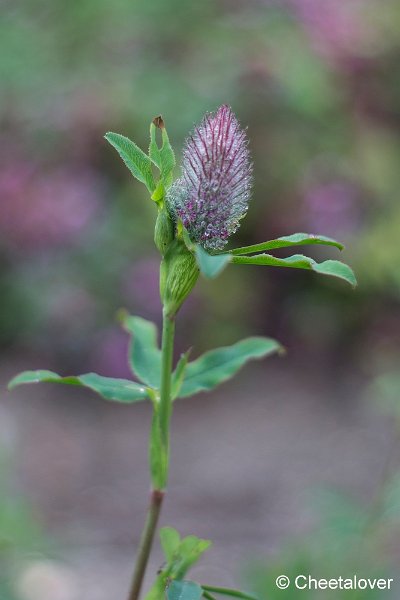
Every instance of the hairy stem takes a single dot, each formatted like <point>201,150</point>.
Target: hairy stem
<point>157,495</point>
<point>167,349</point>
<point>146,542</point>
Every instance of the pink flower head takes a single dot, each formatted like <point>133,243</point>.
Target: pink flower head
<point>211,196</point>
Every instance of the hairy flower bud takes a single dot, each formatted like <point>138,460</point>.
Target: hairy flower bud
<point>178,275</point>
<point>211,196</point>
<point>164,231</point>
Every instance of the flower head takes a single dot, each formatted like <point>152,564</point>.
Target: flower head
<point>211,196</point>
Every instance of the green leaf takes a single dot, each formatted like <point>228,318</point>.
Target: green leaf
<point>179,374</point>
<point>144,353</point>
<point>164,157</point>
<point>184,590</point>
<point>120,390</point>
<point>221,364</point>
<point>181,555</point>
<point>135,159</point>
<point>170,542</point>
<point>296,239</point>
<point>190,550</point>
<point>211,265</point>
<point>229,592</point>
<point>334,268</point>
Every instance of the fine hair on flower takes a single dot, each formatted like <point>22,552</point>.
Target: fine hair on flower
<point>212,194</point>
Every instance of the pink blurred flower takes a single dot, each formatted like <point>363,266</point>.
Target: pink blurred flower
<point>110,353</point>
<point>140,286</point>
<point>336,27</point>
<point>41,210</point>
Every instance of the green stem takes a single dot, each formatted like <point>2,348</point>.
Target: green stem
<point>167,349</point>
<point>146,542</point>
<point>164,417</point>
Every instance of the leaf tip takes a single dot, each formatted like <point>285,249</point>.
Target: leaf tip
<point>281,351</point>
<point>121,316</point>
<point>159,122</point>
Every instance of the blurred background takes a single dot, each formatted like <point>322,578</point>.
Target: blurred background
<point>290,468</point>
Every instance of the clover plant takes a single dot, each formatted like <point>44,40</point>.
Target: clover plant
<point>197,213</point>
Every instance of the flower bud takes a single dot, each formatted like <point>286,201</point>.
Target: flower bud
<point>164,231</point>
<point>179,273</point>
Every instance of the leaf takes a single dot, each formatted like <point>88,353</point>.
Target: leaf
<point>179,374</point>
<point>211,265</point>
<point>120,390</point>
<point>135,159</point>
<point>184,590</point>
<point>229,592</point>
<point>296,239</point>
<point>144,353</point>
<point>170,541</point>
<point>333,268</point>
<point>190,550</point>
<point>164,157</point>
<point>181,555</point>
<point>221,364</point>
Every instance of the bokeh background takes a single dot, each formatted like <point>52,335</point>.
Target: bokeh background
<point>291,467</point>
